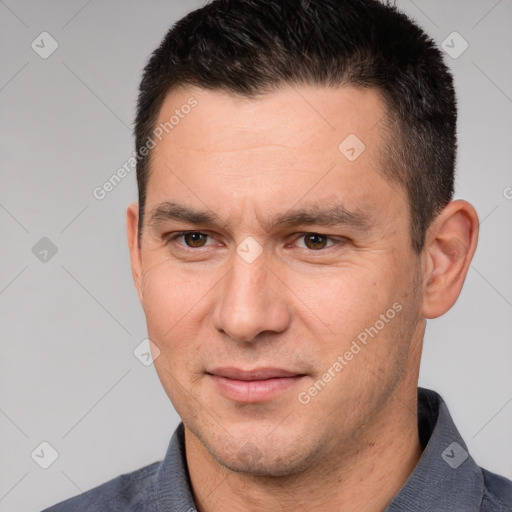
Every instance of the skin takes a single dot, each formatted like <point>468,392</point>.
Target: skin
<point>298,305</point>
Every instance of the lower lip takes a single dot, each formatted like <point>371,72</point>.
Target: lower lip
<point>253,390</point>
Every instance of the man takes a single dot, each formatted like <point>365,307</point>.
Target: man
<point>295,229</point>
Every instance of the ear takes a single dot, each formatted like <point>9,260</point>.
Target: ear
<point>450,244</point>
<point>132,230</point>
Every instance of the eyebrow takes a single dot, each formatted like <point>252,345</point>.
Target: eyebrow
<point>310,214</point>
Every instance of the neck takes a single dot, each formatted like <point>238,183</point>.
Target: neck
<point>363,477</point>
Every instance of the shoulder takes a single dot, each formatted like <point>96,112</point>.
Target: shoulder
<point>497,493</point>
<point>128,492</point>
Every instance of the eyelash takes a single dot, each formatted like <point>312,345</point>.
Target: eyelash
<point>172,237</point>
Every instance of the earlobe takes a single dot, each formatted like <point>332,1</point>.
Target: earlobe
<point>132,228</point>
<point>451,244</point>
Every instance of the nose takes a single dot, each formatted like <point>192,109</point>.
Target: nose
<point>251,300</point>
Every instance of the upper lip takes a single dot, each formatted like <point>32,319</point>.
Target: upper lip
<point>255,374</point>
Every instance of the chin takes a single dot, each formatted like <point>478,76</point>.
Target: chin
<point>268,458</point>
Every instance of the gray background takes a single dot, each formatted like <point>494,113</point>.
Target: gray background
<point>69,325</point>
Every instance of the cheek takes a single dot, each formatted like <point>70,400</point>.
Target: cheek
<point>171,303</point>
<point>169,297</point>
<point>348,299</point>
<point>364,309</point>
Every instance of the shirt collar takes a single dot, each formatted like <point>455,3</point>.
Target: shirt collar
<point>173,486</point>
<point>446,477</point>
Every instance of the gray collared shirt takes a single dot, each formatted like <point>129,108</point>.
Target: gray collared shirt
<point>446,477</point>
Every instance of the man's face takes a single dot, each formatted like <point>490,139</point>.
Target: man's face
<point>252,292</point>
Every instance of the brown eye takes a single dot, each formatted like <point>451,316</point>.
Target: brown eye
<point>315,241</point>
<point>194,239</point>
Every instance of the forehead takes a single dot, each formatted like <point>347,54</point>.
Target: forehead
<point>296,116</point>
<point>315,143</point>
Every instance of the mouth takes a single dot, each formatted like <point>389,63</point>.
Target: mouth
<point>252,386</point>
